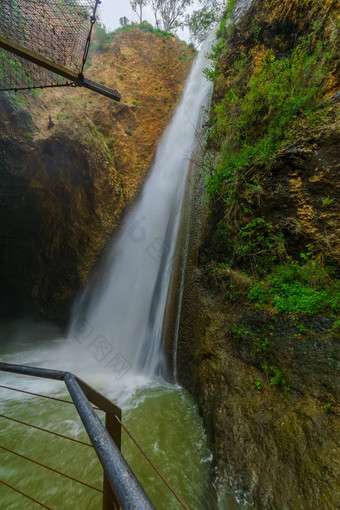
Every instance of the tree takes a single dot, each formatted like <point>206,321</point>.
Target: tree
<point>171,12</point>
<point>137,6</point>
<point>124,21</point>
<point>155,4</point>
<point>203,20</point>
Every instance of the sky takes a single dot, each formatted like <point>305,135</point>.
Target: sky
<point>111,10</point>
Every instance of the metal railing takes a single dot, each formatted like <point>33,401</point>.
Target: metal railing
<point>121,488</point>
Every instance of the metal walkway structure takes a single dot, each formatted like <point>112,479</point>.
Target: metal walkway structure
<point>45,43</point>
<point>121,488</point>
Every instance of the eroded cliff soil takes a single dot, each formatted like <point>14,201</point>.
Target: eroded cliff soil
<point>259,337</point>
<point>71,161</point>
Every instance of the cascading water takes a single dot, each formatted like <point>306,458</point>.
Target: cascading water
<point>115,343</point>
<point>124,308</point>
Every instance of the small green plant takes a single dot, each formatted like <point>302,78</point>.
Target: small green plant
<point>239,332</point>
<point>256,30</point>
<point>128,132</point>
<point>335,327</point>
<point>135,102</point>
<point>327,407</point>
<point>262,346</point>
<point>277,379</point>
<point>301,328</point>
<point>258,384</point>
<point>307,255</point>
<point>182,57</point>
<point>327,201</point>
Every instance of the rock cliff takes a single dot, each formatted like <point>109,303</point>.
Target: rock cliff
<point>72,161</point>
<point>259,330</point>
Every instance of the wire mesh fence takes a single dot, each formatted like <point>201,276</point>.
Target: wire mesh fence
<point>55,29</point>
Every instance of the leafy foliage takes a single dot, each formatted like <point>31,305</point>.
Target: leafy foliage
<point>277,379</point>
<point>203,20</point>
<point>298,289</point>
<point>200,22</point>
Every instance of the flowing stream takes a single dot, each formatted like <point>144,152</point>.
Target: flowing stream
<point>115,343</point>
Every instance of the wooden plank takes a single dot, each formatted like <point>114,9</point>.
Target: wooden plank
<point>99,400</point>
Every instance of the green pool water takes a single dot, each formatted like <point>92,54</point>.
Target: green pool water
<point>163,418</point>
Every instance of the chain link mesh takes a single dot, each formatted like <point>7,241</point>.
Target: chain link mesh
<point>55,29</point>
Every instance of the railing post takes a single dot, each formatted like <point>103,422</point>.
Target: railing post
<point>113,427</point>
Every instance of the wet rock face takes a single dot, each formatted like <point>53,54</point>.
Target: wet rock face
<point>48,200</point>
<point>266,381</point>
<point>70,163</point>
<point>302,190</point>
<point>276,443</point>
<point>277,25</point>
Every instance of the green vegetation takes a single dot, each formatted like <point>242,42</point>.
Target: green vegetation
<point>63,115</point>
<point>35,92</point>
<point>278,91</point>
<point>258,384</point>
<point>327,201</point>
<point>336,327</point>
<point>277,379</point>
<point>298,289</point>
<point>262,346</point>
<point>265,99</point>
<point>204,19</point>
<point>18,100</point>
<point>11,66</point>
<point>147,27</point>
<point>327,407</point>
<point>256,30</point>
<point>101,39</point>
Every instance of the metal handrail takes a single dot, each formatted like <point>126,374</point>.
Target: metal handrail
<point>126,490</point>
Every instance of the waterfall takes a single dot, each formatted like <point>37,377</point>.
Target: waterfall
<point>119,316</point>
